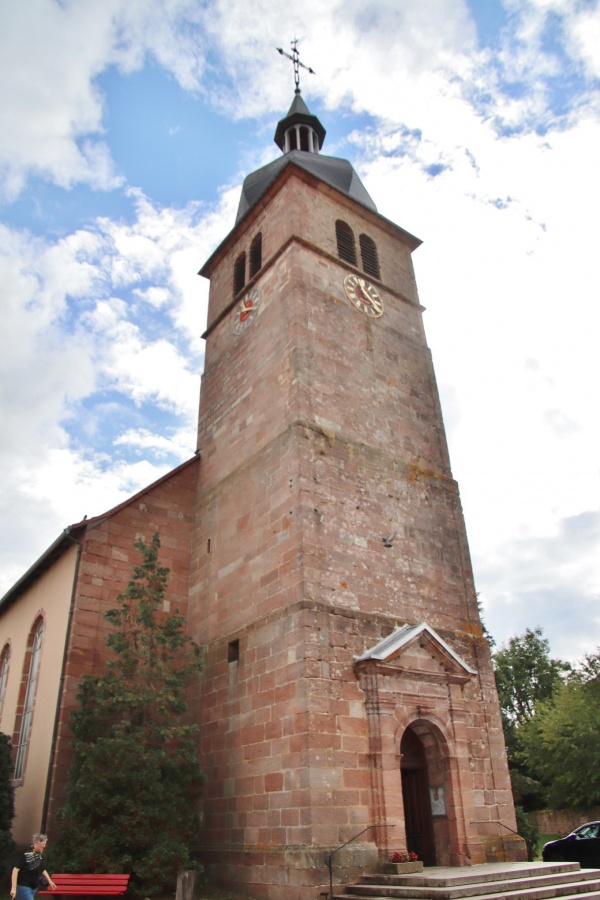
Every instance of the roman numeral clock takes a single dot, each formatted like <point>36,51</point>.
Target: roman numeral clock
<point>363,295</point>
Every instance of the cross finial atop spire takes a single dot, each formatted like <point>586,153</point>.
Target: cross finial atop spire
<point>295,58</point>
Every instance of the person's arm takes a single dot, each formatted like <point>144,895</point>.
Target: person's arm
<point>13,881</point>
<point>49,880</point>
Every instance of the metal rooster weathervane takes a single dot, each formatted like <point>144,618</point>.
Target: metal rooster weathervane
<point>295,58</point>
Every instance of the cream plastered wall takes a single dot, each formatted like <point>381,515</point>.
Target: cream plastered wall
<point>50,597</point>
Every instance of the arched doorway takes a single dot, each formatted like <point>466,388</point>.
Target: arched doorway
<point>415,796</point>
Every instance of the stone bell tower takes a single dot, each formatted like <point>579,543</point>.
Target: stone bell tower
<point>347,682</point>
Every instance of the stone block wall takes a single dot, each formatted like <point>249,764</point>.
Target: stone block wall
<point>285,749</point>
<point>562,821</point>
<point>106,563</point>
<point>294,768</point>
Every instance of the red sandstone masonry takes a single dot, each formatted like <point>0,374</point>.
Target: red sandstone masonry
<point>107,559</point>
<point>321,432</point>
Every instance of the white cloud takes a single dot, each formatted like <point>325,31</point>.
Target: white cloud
<point>552,581</point>
<point>40,500</point>
<point>584,34</point>
<point>529,55</point>
<point>139,368</point>
<point>50,55</point>
<point>36,368</point>
<point>52,117</point>
<point>80,342</point>
<point>142,440</point>
<point>155,296</point>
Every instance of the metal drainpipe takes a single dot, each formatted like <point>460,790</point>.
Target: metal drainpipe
<point>61,683</point>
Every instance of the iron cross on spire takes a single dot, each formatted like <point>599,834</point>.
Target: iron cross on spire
<point>295,58</point>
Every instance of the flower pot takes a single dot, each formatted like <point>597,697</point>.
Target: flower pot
<point>405,868</point>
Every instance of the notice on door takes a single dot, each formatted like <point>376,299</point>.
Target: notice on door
<point>438,802</point>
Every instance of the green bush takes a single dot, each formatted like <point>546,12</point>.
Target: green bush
<point>528,831</point>
<point>135,779</point>
<point>7,806</point>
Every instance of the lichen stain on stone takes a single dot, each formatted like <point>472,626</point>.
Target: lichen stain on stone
<point>328,433</point>
<point>420,469</point>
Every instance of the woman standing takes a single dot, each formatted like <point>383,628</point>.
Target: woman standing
<point>28,870</point>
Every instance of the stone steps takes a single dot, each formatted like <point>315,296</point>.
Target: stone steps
<point>513,881</point>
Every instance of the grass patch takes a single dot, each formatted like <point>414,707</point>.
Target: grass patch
<point>543,839</point>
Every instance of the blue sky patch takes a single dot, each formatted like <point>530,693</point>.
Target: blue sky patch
<point>169,143</point>
<point>490,18</point>
<point>435,169</point>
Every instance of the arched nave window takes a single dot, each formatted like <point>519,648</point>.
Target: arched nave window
<point>4,661</point>
<point>31,669</point>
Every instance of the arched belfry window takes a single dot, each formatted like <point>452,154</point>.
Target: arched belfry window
<point>239,274</point>
<point>30,672</point>
<point>255,254</point>
<point>4,661</point>
<point>346,246</point>
<point>369,256</point>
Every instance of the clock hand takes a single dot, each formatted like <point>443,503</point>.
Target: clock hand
<point>245,309</point>
<point>363,296</point>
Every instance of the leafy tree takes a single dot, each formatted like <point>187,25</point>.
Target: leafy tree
<point>562,741</point>
<point>526,675</point>
<point>551,715</point>
<point>135,778</point>
<point>526,678</point>
<point>7,804</point>
<point>587,669</point>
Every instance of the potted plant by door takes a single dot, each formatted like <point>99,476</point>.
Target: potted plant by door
<point>404,863</point>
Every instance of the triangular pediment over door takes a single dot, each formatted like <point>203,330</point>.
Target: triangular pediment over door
<point>418,651</point>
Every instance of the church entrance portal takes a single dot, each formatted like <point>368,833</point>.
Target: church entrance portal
<point>415,796</point>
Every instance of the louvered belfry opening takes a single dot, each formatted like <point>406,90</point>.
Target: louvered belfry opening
<point>256,254</point>
<point>346,246</point>
<point>369,256</point>
<point>239,274</point>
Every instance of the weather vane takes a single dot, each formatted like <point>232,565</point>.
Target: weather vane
<point>295,58</point>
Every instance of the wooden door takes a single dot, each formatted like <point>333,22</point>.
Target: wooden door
<point>415,795</point>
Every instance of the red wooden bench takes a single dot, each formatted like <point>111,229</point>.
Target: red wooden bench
<point>92,885</point>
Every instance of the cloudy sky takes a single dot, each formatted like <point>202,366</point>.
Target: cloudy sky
<point>126,127</point>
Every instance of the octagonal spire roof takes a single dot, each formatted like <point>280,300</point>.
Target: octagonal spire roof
<point>300,136</point>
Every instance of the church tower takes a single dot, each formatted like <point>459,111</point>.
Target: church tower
<point>348,686</point>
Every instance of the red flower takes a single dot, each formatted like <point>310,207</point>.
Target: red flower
<point>399,856</point>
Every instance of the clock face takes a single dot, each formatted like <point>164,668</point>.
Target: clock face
<point>363,295</point>
<point>246,311</point>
